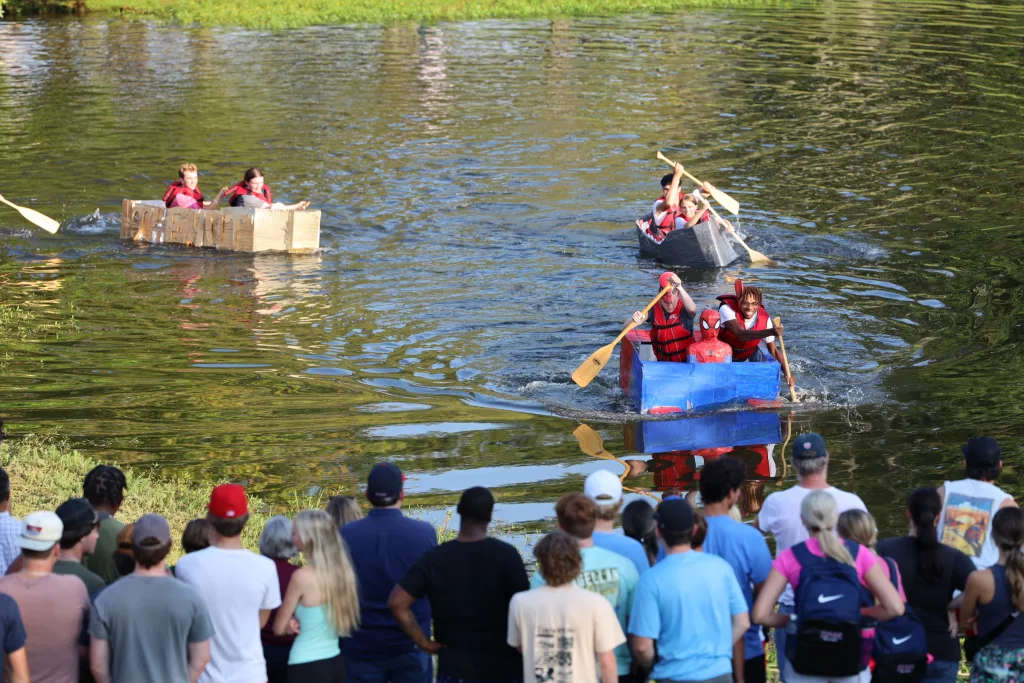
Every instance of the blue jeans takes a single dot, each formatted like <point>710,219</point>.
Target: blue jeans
<point>411,667</point>
<point>779,636</point>
<point>941,672</point>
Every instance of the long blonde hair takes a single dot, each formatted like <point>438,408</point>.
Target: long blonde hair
<point>326,554</point>
<point>820,514</point>
<point>859,526</point>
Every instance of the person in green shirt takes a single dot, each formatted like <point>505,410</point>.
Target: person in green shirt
<point>104,489</point>
<point>81,531</point>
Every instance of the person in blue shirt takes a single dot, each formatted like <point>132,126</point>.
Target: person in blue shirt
<point>689,605</point>
<point>383,546</point>
<point>744,548</point>
<point>605,489</point>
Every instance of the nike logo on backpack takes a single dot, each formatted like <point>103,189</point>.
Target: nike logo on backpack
<point>822,599</point>
<point>900,641</point>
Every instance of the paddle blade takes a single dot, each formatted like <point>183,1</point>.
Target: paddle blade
<point>44,222</point>
<point>590,368</point>
<point>591,442</point>
<point>727,202</point>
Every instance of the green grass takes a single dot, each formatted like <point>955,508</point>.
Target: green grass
<point>296,13</point>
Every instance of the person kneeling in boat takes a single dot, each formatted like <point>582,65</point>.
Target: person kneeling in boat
<point>254,193</point>
<point>710,349</point>
<point>184,193</point>
<point>669,212</point>
<point>672,321</point>
<point>748,329</point>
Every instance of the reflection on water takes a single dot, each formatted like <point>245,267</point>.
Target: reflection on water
<point>478,183</point>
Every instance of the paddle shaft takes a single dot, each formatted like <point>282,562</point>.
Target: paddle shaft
<point>782,347</point>
<point>33,216</point>
<point>754,255</point>
<point>649,306</point>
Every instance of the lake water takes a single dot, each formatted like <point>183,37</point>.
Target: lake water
<point>478,182</point>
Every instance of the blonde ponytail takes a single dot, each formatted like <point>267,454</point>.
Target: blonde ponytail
<point>326,554</point>
<point>819,514</point>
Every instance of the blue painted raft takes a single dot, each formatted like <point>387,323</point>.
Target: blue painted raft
<point>658,387</point>
<point>718,430</point>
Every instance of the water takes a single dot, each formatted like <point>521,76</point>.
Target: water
<point>478,182</point>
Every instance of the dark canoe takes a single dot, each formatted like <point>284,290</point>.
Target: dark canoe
<point>703,246</point>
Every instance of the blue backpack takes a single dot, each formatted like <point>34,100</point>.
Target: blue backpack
<point>823,636</point>
<point>900,649</point>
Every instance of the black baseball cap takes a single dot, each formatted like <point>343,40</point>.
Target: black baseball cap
<point>385,481</point>
<point>981,452</point>
<point>78,517</point>
<point>809,446</point>
<point>674,515</point>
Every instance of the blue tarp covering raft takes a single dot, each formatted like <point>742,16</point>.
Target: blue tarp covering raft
<point>658,387</point>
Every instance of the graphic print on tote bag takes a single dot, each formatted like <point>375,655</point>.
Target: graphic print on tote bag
<point>966,524</point>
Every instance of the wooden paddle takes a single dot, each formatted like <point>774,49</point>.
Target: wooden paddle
<point>586,372</point>
<point>754,254</point>
<point>592,444</point>
<point>782,347</point>
<point>730,204</point>
<point>33,216</point>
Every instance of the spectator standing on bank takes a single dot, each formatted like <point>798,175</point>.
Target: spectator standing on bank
<point>13,638</point>
<point>638,524</point>
<point>560,628</point>
<point>605,489</point>
<point>54,608</point>
<point>321,604</point>
<point>383,546</point>
<point>196,536</point>
<point>780,514</point>
<point>969,504</point>
<point>689,605</point>
<point>10,526</point>
<point>104,489</point>
<point>277,543</point>
<point>721,484</point>
<point>469,582</point>
<point>81,530</point>
<point>931,573</point>
<point>239,588</point>
<point>604,572</point>
<point>343,509</point>
<point>149,626</point>
<point>124,557</point>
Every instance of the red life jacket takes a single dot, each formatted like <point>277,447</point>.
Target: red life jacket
<point>742,350</point>
<point>668,222</point>
<point>669,338</point>
<point>178,187</point>
<point>237,191</point>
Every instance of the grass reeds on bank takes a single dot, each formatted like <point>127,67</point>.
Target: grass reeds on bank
<point>276,14</point>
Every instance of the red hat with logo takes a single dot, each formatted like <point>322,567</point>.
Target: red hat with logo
<point>227,501</point>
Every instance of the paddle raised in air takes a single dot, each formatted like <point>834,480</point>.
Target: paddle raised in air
<point>586,372</point>
<point>33,216</point>
<point>727,202</point>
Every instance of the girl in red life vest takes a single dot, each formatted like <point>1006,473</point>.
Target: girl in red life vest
<point>671,321</point>
<point>184,193</point>
<point>254,193</point>
<point>667,208</point>
<point>746,325</point>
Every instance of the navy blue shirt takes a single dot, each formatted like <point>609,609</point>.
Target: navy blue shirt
<point>383,546</point>
<point>12,630</point>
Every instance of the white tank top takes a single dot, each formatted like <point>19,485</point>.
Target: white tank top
<point>966,521</point>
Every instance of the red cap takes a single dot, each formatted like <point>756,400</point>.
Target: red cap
<point>227,501</point>
<point>666,279</point>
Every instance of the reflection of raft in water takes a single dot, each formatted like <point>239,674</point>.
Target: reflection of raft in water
<point>718,430</point>
<point>702,246</point>
<point>662,387</point>
<point>231,229</point>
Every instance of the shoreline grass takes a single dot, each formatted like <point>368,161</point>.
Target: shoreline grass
<point>264,14</point>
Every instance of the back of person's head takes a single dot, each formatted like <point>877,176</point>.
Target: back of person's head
<point>343,509</point>
<point>1008,534</point>
<point>605,489</point>
<point>820,515</point>
<point>809,454</point>
<point>276,541</point>
<point>124,556</point>
<point>982,458</point>
<point>859,526</point>
<point>666,180</point>
<point>674,518</point>
<point>558,558</point>
<point>719,478</point>
<point>700,530</point>
<point>79,520</point>
<point>476,506</point>
<point>228,510</point>
<point>151,540</point>
<point>196,536</point>
<point>924,505</point>
<point>104,486</point>
<point>187,168</point>
<point>638,524</point>
<point>252,173</point>
<point>577,515</point>
<point>326,554</point>
<point>5,484</point>
<point>386,485</point>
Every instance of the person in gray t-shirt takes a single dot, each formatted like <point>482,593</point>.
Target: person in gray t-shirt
<point>149,626</point>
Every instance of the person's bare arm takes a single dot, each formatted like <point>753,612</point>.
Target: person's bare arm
<point>980,588</point>
<point>18,661</point>
<point>99,659</point>
<point>287,609</point>
<point>764,606</point>
<point>743,334</point>
<point>264,617</point>
<point>740,624</point>
<point>1008,503</point>
<point>672,196</point>
<point>400,603</point>
<point>890,604</point>
<point>643,651</point>
<point>607,665</point>
<point>198,658</point>
<point>738,661</point>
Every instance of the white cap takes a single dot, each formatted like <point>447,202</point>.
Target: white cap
<point>603,487</point>
<point>41,530</point>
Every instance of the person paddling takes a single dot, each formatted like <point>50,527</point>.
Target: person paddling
<point>184,193</point>
<point>672,321</point>
<point>254,193</point>
<point>669,213</point>
<point>748,328</point>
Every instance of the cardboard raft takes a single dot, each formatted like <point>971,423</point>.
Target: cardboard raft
<point>232,229</point>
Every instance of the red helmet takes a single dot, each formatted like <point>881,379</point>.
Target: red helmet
<point>710,322</point>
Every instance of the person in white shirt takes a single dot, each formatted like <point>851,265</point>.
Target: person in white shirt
<point>780,514</point>
<point>238,587</point>
<point>748,328</point>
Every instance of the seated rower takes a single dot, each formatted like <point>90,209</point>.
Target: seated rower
<point>748,329</point>
<point>710,349</point>
<point>184,193</point>
<point>672,324</point>
<point>254,193</point>
<point>667,211</point>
